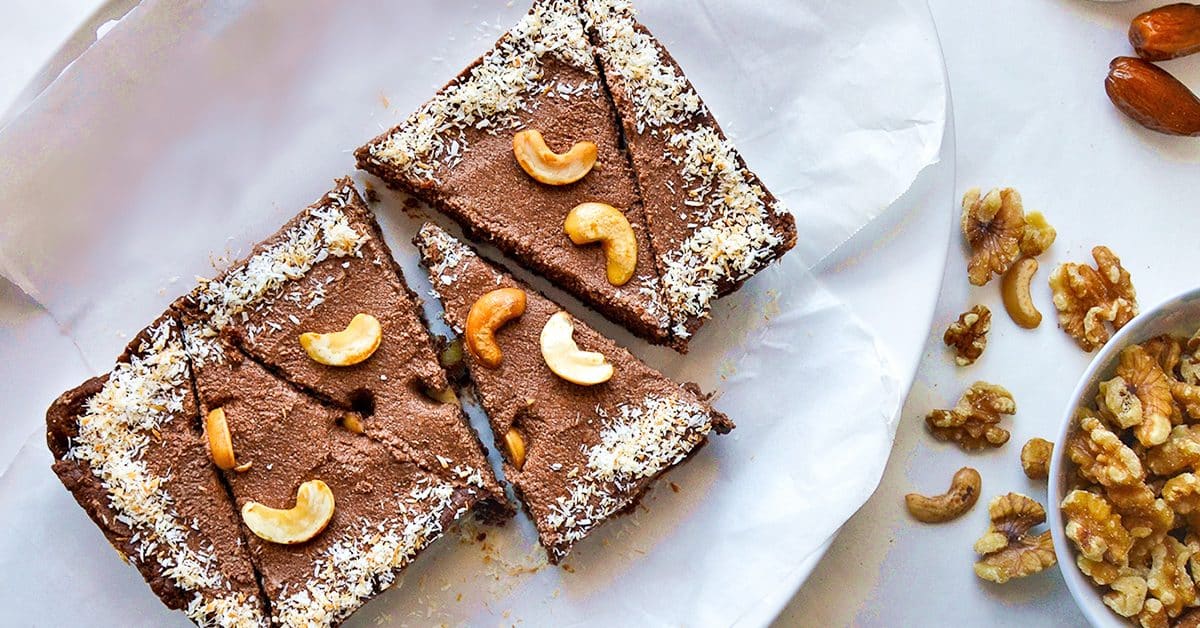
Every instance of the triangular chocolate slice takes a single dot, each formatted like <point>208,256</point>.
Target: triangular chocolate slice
<point>577,455</point>
<point>712,222</point>
<point>326,266</point>
<point>129,448</point>
<point>333,555</point>
<point>457,153</point>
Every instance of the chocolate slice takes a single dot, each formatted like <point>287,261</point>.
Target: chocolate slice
<point>129,448</point>
<point>325,266</point>
<point>579,454</point>
<point>712,222</point>
<point>456,153</point>
<point>385,510</point>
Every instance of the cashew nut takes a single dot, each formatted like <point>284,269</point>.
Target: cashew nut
<point>549,167</point>
<point>597,222</point>
<point>516,447</point>
<point>356,343</point>
<point>443,395</point>
<point>488,314</point>
<point>963,493</point>
<point>353,422</point>
<point>565,358</point>
<point>310,515</point>
<point>220,443</point>
<point>1014,288</point>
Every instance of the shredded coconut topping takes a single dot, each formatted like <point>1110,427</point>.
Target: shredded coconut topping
<point>450,252</point>
<point>357,566</point>
<point>660,95</point>
<point>637,444</point>
<point>116,429</point>
<point>727,212</point>
<point>323,232</point>
<point>734,237</point>
<point>491,96</point>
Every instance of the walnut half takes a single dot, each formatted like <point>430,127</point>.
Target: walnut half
<point>993,225</point>
<point>968,335</point>
<point>1087,298</point>
<point>972,423</point>
<point>1035,458</point>
<point>1008,549</point>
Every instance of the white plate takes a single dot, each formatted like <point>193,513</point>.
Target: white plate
<point>888,274</point>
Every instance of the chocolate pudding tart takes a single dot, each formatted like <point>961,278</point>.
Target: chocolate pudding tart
<point>457,153</point>
<point>580,105</point>
<point>283,441</point>
<point>326,267</point>
<point>712,222</point>
<point>129,447</point>
<point>381,511</point>
<point>577,452</point>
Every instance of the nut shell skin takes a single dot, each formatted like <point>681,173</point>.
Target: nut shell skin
<point>1152,97</point>
<point>1166,32</point>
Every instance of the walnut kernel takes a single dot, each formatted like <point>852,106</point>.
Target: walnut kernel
<point>1141,375</point>
<point>1008,549</point>
<point>1035,458</point>
<point>1180,451</point>
<point>1168,580</point>
<point>1128,595</point>
<point>1182,494</point>
<point>1188,397</point>
<point>993,225</point>
<point>972,423</point>
<point>1102,457</point>
<point>1086,298</point>
<point>1037,236</point>
<point>1095,529</point>
<point>1153,615</point>
<point>968,335</point>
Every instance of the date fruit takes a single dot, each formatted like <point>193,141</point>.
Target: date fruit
<point>1166,32</point>
<point>1152,97</point>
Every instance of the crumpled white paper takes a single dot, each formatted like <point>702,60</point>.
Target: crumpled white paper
<point>192,130</point>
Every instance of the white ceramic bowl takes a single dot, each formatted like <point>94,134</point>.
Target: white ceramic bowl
<point>1179,315</point>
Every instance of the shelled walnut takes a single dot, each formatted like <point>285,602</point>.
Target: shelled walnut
<point>1089,299</point>
<point>972,423</point>
<point>1035,458</point>
<point>968,335</point>
<point>993,225</point>
<point>1009,549</point>
<point>1133,515</point>
<point>1037,236</point>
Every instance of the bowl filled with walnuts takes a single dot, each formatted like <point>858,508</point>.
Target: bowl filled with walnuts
<point>1124,486</point>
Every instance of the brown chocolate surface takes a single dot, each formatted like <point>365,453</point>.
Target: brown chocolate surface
<point>484,189</point>
<point>131,449</point>
<point>674,143</point>
<point>569,482</point>
<point>183,536</point>
<point>289,438</point>
<point>389,389</point>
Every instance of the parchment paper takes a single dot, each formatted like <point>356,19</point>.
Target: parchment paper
<point>192,130</point>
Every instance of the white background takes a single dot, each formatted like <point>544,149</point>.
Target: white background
<point>1030,112</point>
